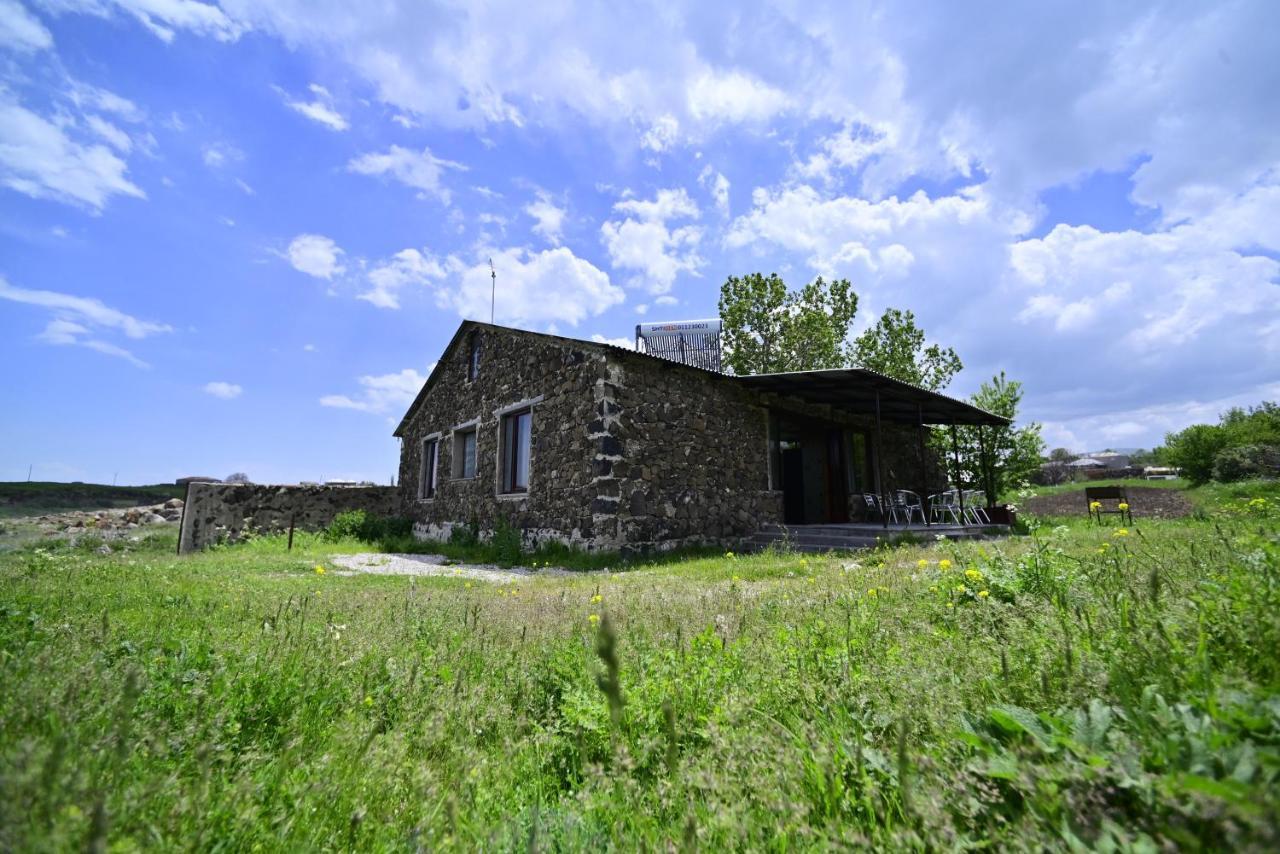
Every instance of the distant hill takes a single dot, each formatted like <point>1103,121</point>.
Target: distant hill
<point>35,498</point>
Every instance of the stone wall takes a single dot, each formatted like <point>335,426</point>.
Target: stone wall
<point>566,385</point>
<point>682,458</point>
<point>215,512</point>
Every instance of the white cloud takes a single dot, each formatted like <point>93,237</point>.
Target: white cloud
<point>20,30</point>
<point>421,170</point>
<point>315,255</point>
<point>117,138</point>
<point>644,242</point>
<point>319,109</point>
<point>80,321</point>
<point>383,393</point>
<point>662,134</point>
<point>406,267</point>
<point>219,154</point>
<point>734,96</point>
<point>161,17</point>
<point>532,287</point>
<point>624,343</point>
<point>224,390</point>
<point>548,218</point>
<point>718,185</point>
<point>39,158</point>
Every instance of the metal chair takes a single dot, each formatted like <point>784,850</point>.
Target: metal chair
<point>873,505</point>
<point>973,508</point>
<point>908,503</point>
<point>945,504</point>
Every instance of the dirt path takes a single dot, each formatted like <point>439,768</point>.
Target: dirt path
<point>407,564</point>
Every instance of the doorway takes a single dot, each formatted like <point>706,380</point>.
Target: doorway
<point>812,466</point>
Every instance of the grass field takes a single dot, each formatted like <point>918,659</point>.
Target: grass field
<point>1092,687</point>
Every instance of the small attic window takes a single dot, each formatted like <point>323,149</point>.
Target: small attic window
<point>473,356</point>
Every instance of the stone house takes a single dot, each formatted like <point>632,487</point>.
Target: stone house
<point>603,447</point>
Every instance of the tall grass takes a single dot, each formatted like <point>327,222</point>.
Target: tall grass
<point>1076,687</point>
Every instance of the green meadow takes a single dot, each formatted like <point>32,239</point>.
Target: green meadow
<point>1083,686</point>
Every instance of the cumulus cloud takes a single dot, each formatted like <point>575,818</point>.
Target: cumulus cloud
<point>421,170</point>
<point>162,17</point>
<point>644,241</point>
<point>406,267</point>
<point>548,217</point>
<point>82,321</point>
<point>315,255</point>
<point>381,394</point>
<point>624,343</point>
<point>223,390</point>
<point>532,287</point>
<point>718,186</point>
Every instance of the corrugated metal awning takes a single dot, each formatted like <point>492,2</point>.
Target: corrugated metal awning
<point>854,390</point>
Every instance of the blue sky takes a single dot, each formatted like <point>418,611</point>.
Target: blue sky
<point>235,237</point>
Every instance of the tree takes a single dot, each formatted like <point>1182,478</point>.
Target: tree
<point>1061,455</point>
<point>1000,457</point>
<point>238,477</point>
<point>768,329</point>
<point>895,347</point>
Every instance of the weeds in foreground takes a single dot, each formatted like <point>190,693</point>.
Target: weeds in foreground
<point>1108,691</point>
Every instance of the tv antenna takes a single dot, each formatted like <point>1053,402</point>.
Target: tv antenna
<point>493,287</point>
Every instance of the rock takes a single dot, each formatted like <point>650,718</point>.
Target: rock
<point>153,519</point>
<point>103,550</point>
<point>173,503</point>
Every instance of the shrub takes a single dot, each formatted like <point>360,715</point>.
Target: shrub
<point>1245,462</point>
<point>506,544</point>
<point>360,525</point>
<point>465,536</point>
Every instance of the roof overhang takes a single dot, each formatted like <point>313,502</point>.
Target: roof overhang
<point>856,390</point>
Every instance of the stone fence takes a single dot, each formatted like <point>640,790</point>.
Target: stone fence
<point>215,512</point>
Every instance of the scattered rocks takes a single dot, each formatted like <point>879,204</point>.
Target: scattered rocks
<point>109,523</point>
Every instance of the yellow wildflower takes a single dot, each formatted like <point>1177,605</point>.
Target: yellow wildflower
<point>319,569</point>
<point>593,619</point>
<point>467,585</point>
<point>922,563</point>
<point>596,599</point>
<point>728,554</point>
<point>973,575</point>
<point>1121,532</point>
<point>983,594</point>
<point>1122,506</point>
<point>871,591</point>
<point>944,564</point>
<point>960,588</point>
<point>1095,505</point>
<point>368,701</point>
<point>933,589</point>
<point>951,604</point>
<point>737,578</point>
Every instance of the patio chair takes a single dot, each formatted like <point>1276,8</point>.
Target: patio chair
<point>908,504</point>
<point>871,502</point>
<point>1097,496</point>
<point>945,504</point>
<point>973,509</point>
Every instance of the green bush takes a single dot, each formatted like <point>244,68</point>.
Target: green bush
<point>360,525</point>
<point>1246,462</point>
<point>506,544</point>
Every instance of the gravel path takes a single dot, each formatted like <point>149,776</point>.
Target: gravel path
<point>403,564</point>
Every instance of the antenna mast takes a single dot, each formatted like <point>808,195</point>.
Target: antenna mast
<point>493,288</point>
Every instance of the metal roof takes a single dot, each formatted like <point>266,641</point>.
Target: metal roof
<point>850,389</point>
<point>854,390</point>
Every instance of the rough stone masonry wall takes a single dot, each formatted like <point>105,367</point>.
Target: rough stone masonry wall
<point>513,368</point>
<point>682,457</point>
<point>222,511</point>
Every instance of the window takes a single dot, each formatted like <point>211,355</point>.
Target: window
<point>464,453</point>
<point>473,357</point>
<point>427,478</point>
<point>515,450</point>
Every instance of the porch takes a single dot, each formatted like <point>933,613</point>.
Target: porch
<point>855,536</point>
<point>855,454</point>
